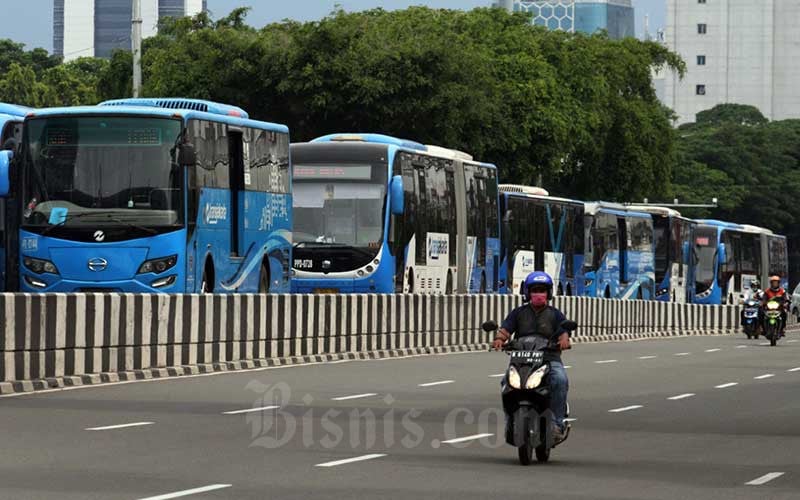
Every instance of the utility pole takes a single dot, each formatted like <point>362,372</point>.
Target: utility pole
<point>136,42</point>
<point>507,5</point>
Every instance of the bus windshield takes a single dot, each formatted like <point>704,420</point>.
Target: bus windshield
<point>83,171</point>
<point>705,244</point>
<point>339,204</point>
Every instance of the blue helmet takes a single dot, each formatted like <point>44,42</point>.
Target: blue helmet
<point>538,278</point>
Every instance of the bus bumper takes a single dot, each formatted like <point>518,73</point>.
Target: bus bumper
<point>33,283</point>
<point>302,285</point>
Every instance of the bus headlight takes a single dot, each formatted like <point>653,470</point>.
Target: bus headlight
<point>159,265</point>
<point>40,266</point>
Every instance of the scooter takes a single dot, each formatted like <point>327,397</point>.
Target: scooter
<point>530,425</point>
<point>750,322</point>
<point>772,321</point>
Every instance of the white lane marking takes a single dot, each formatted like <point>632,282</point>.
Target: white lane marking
<point>647,357</point>
<point>792,341</point>
<point>497,375</point>
<point>682,353</point>
<point>681,396</point>
<point>186,493</point>
<point>725,386</point>
<point>351,460</point>
<point>764,343</point>
<point>794,369</point>
<point>339,362</point>
<point>355,396</point>
<point>431,384</point>
<point>742,347</point>
<point>570,419</point>
<point>121,426</point>
<point>251,410</point>
<point>606,361</point>
<point>567,367</point>
<point>766,375</point>
<point>625,408</point>
<point>764,479</point>
<point>467,438</point>
<point>713,350</point>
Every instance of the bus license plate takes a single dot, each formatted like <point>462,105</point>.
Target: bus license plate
<point>325,290</point>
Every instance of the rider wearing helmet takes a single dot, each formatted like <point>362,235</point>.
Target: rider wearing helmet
<point>777,292</point>
<point>753,293</point>
<point>538,318</point>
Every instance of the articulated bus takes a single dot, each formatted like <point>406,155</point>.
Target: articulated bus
<point>377,214</point>
<point>11,117</point>
<point>619,252</point>
<point>541,233</point>
<point>730,255</point>
<point>152,195</point>
<point>674,263</point>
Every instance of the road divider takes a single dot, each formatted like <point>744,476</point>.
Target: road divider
<point>62,340</point>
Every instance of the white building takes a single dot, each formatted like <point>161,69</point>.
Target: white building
<point>96,27</point>
<point>736,51</point>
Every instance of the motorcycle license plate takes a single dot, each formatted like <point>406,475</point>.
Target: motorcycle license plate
<point>528,356</point>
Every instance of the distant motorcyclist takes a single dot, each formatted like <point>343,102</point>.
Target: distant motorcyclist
<point>778,293</point>
<point>539,318</point>
<point>753,293</point>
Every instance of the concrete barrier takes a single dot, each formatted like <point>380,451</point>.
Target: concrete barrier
<point>62,339</point>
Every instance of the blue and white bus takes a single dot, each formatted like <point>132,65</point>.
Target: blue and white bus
<point>619,252</point>
<point>674,265</point>
<point>541,233</point>
<point>729,256</point>
<point>152,195</point>
<point>377,214</point>
<point>11,117</point>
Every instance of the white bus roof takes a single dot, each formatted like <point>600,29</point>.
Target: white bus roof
<point>519,188</point>
<point>755,229</point>
<point>655,210</point>
<point>452,154</point>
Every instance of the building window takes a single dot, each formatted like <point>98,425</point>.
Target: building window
<point>700,90</point>
<point>702,28</point>
<point>701,60</point>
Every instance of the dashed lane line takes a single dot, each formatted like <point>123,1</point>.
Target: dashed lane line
<point>186,493</point>
<point>764,479</point>
<point>351,460</point>
<point>432,384</point>
<point>251,410</point>
<point>766,375</point>
<point>683,354</point>
<point>794,369</point>
<point>605,361</point>
<point>681,396</point>
<point>496,375</point>
<point>625,408</point>
<point>120,426</point>
<point>725,386</point>
<point>355,396</point>
<point>467,438</point>
<point>647,357</point>
<point>713,350</point>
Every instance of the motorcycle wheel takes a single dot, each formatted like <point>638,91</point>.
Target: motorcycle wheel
<point>525,453</point>
<point>542,453</point>
<point>774,340</point>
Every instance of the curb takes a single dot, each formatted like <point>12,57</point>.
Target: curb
<point>32,386</point>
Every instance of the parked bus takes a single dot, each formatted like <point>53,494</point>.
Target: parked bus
<point>619,252</point>
<point>729,256</point>
<point>540,233</point>
<point>11,117</point>
<point>674,264</point>
<point>153,195</point>
<point>377,214</point>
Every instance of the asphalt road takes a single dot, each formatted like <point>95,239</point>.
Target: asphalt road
<point>220,436</point>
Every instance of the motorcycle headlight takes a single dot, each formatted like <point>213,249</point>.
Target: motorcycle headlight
<point>773,306</point>
<point>513,378</point>
<point>40,266</point>
<point>159,265</point>
<point>536,378</point>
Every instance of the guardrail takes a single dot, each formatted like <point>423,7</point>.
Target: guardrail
<point>52,336</point>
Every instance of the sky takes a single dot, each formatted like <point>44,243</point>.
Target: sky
<point>31,21</point>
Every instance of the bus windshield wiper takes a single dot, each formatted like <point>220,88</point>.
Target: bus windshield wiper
<point>107,217</point>
<point>64,219</point>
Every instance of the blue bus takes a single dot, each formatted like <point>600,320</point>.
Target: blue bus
<point>11,117</point>
<point>674,263</point>
<point>152,195</point>
<point>377,214</point>
<point>541,233</point>
<point>729,256</point>
<point>619,252</point>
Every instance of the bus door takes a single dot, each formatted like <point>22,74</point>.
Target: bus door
<point>622,237</point>
<point>236,175</point>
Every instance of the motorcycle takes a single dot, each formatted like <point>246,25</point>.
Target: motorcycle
<point>750,321</point>
<point>773,323</point>
<point>530,425</point>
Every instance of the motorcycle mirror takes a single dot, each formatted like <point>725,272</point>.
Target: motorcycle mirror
<point>489,326</point>
<point>569,325</point>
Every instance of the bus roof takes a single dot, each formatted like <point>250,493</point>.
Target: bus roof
<point>521,189</point>
<point>14,110</point>
<point>214,108</point>
<point>719,223</point>
<point>158,112</point>
<point>655,210</point>
<point>374,138</point>
<point>593,207</point>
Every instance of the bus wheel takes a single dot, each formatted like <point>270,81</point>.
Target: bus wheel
<point>263,279</point>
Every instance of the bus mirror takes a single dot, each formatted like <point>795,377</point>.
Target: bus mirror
<point>397,193</point>
<point>5,167</point>
<point>187,155</point>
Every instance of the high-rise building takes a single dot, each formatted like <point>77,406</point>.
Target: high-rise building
<point>97,27</point>
<point>736,51</point>
<point>586,16</point>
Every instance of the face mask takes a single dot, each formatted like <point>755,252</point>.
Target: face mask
<point>539,299</point>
